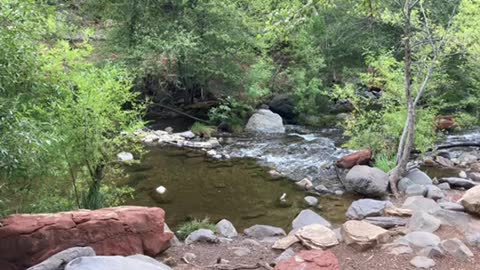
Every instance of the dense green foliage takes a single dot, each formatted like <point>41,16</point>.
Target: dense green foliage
<point>190,226</point>
<point>61,116</point>
<point>67,104</point>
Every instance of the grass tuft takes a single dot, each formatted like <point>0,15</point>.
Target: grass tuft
<point>193,225</point>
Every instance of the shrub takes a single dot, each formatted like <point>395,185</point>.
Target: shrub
<point>193,225</point>
<point>202,130</point>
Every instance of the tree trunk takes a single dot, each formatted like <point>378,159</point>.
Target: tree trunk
<point>408,134</point>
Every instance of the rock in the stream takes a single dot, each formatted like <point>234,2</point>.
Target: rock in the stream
<point>363,208</point>
<point>187,134</point>
<point>265,121</point>
<point>422,239</point>
<point>456,248</point>
<point>358,158</point>
<point>362,235</point>
<point>136,230</point>
<point>201,235</point>
<point>387,222</point>
<point>452,206</point>
<point>58,261</point>
<point>317,236</point>
<point>310,259</point>
<point>456,182</point>
<point>310,200</point>
<point>264,231</point>
<point>308,217</point>
<point>416,190</point>
<point>413,177</point>
<point>125,156</point>
<point>115,262</point>
<point>304,184</point>
<point>422,262</point>
<point>370,182</point>
<point>422,221</point>
<point>419,203</point>
<point>434,193</point>
<point>471,201</point>
<point>226,229</point>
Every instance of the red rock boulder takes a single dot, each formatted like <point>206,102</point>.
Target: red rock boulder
<point>26,240</point>
<point>445,122</point>
<point>358,158</point>
<point>310,260</point>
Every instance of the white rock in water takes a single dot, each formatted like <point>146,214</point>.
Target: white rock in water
<point>463,174</point>
<point>125,156</point>
<point>283,198</point>
<point>161,190</point>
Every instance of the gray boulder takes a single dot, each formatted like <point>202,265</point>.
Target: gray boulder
<point>444,186</point>
<point>308,217</point>
<point>263,231</point>
<point>265,121</point>
<point>422,221</point>
<point>431,252</point>
<point>201,235</point>
<point>416,190</point>
<point>115,263</point>
<point>456,182</point>
<point>413,177</point>
<point>367,181</point>
<point>456,219</point>
<point>456,248</point>
<point>226,229</point>
<point>434,193</point>
<point>419,203</point>
<point>422,239</point>
<point>452,206</point>
<point>363,208</point>
<point>58,261</point>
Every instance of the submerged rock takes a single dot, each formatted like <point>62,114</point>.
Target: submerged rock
<point>371,182</point>
<point>265,121</point>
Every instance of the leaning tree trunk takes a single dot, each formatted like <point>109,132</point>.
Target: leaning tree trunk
<point>408,134</point>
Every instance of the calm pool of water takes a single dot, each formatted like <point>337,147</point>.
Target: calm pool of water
<point>238,189</point>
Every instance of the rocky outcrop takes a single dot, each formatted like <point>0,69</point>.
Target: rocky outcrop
<point>358,158</point>
<point>311,259</point>
<point>265,121</point>
<point>367,181</point>
<point>471,201</point>
<point>26,240</point>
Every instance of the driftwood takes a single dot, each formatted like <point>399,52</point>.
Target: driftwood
<point>182,113</point>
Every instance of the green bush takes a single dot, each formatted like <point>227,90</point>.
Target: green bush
<point>190,226</point>
<point>385,162</point>
<point>202,130</point>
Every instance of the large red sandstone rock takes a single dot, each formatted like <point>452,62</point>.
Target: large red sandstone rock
<point>358,158</point>
<point>445,122</point>
<point>26,240</point>
<point>310,260</point>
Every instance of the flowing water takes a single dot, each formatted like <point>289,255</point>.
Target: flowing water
<point>238,189</point>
